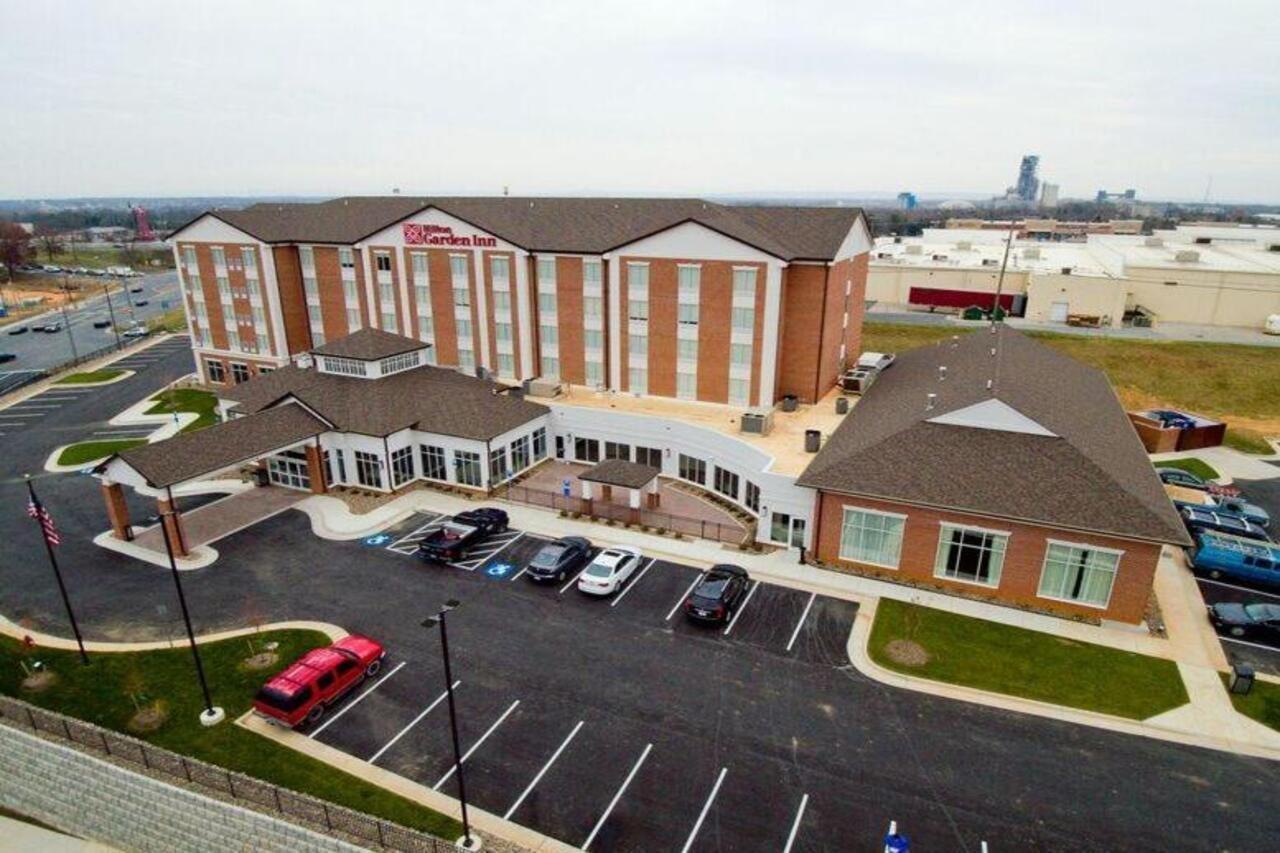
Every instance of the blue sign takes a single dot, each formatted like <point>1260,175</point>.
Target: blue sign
<point>499,570</point>
<point>566,487</point>
<point>377,540</point>
<point>895,842</point>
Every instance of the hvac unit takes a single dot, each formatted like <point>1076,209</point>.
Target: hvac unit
<point>965,245</point>
<point>1066,270</point>
<point>858,380</point>
<point>939,257</point>
<point>990,262</point>
<point>884,256</point>
<point>1153,242</point>
<point>1031,254</point>
<point>915,249</point>
<point>757,421</point>
<point>542,388</point>
<point>1186,256</point>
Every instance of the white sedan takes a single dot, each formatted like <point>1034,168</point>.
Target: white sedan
<point>610,569</point>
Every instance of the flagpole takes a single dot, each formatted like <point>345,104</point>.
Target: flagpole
<point>57,573</point>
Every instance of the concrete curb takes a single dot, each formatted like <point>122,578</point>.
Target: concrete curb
<point>16,631</point>
<point>485,822</point>
<point>59,385</point>
<point>29,391</point>
<point>860,636</point>
<point>199,557</point>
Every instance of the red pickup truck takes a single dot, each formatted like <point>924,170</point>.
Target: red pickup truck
<point>318,679</point>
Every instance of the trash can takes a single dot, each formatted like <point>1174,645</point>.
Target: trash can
<point>789,403</point>
<point>842,405</point>
<point>812,440</point>
<point>1241,678</point>
<point>260,477</point>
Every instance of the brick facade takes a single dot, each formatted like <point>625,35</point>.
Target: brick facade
<point>1023,560</point>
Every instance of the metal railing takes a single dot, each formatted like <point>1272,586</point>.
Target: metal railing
<point>302,809</point>
<point>600,510</point>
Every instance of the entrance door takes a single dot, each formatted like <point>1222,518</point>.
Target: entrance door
<point>559,446</point>
<point>289,469</point>
<point>1058,312</point>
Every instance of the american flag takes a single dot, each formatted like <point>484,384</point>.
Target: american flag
<point>36,510</point>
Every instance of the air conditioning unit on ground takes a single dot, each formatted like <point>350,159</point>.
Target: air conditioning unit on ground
<point>542,388</point>
<point>757,421</point>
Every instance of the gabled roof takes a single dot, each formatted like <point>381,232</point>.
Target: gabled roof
<point>1090,472</point>
<point>369,344</point>
<point>622,473</point>
<point>578,225</point>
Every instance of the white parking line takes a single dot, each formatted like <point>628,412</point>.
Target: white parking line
<point>1233,586</point>
<point>574,579</point>
<point>800,624</point>
<point>635,581</point>
<point>706,807</point>
<point>1247,643</point>
<point>413,723</point>
<point>617,796</point>
<point>481,553</point>
<point>476,745</point>
<point>35,406</point>
<point>517,538</point>
<point>680,600</point>
<point>356,701</point>
<point>542,772</point>
<point>519,573</point>
<point>745,602</point>
<point>795,826</point>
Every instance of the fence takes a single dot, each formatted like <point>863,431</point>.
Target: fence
<point>713,530</point>
<point>300,809</point>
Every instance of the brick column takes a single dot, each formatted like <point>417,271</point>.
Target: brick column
<point>633,503</point>
<point>315,470</point>
<point>173,524</point>
<point>117,510</point>
<point>606,493</point>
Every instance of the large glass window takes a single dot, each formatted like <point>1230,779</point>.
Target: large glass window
<point>617,450</point>
<point>220,257</point>
<point>740,354</point>
<point>651,456</point>
<point>501,301</point>
<point>550,335</point>
<point>638,380</point>
<point>433,464</point>
<point>498,470</point>
<point>546,270</point>
<point>638,344</point>
<point>382,261</point>
<point>500,269</point>
<point>502,331</point>
<point>539,444</point>
<point>593,339</point>
<point>871,537</point>
<point>970,554</point>
<point>546,303</point>
<point>688,279</point>
<point>594,373</point>
<point>688,314</point>
<point>1079,573</point>
<point>726,483</point>
<point>692,469</point>
<point>346,258</point>
<point>592,306</point>
<point>466,467</point>
<point>638,309</point>
<point>250,259</point>
<point>739,392</point>
<point>591,271</point>
<point>368,469</point>
<point>687,349</point>
<point>520,453</point>
<point>586,449</point>
<point>751,497</point>
<point>215,371</point>
<point>686,385</point>
<point>550,366</point>
<point>744,319</point>
<point>744,284</point>
<point>401,466</point>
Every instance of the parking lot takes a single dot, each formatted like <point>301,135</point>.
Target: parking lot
<point>574,770</point>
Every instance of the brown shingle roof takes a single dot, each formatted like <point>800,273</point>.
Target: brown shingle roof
<point>370,345</point>
<point>193,454</point>
<point>586,225</point>
<point>1091,474</point>
<point>620,472</point>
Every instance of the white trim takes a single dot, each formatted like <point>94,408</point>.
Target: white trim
<point>771,333</point>
<point>614,285</point>
<point>945,523</point>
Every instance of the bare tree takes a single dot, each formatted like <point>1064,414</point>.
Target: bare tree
<point>14,246</point>
<point>51,243</point>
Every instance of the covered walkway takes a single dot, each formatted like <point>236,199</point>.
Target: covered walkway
<point>223,517</point>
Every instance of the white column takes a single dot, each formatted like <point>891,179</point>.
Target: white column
<point>524,314</point>
<point>615,323</point>
<point>271,288</point>
<point>772,332</point>
<point>633,498</point>
<point>586,489</point>
<point>482,311</point>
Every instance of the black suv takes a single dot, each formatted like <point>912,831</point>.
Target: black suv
<point>556,560</point>
<point>718,594</point>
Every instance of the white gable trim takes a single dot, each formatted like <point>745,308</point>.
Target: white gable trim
<point>393,234</point>
<point>694,241</point>
<point>992,414</point>
<point>856,242</point>
<point>208,228</point>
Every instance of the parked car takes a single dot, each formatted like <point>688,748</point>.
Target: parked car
<point>79,271</point>
<point>1178,477</point>
<point>1199,520</point>
<point>136,289</point>
<point>313,682</point>
<point>50,327</point>
<point>1240,507</point>
<point>556,560</point>
<point>102,324</point>
<point>610,569</point>
<point>135,332</point>
<point>17,330</point>
<point>1219,555</point>
<point>455,537</point>
<point>140,302</point>
<point>1259,619</point>
<point>7,356</point>
<point>50,268</point>
<point>717,596</point>
<point>875,360</point>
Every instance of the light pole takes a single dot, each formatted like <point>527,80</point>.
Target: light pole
<point>124,286</point>
<point>66,318</point>
<point>106,291</point>
<point>210,716</point>
<point>467,842</point>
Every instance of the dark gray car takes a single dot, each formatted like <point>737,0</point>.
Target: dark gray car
<point>556,560</point>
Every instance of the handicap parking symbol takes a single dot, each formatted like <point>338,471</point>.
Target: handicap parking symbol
<point>377,540</point>
<point>499,570</point>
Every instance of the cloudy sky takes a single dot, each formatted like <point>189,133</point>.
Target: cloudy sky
<point>267,97</point>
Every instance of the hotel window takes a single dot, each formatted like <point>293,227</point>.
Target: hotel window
<point>520,453</point>
<point>250,259</point>
<point>726,483</point>
<point>638,380</point>
<point>739,392</point>
<point>740,354</point>
<point>193,282</point>
<point>594,373</point>
<point>426,328</point>
<point>239,372</point>
<point>314,315</point>
<point>306,258</point>
<point>433,464</point>
<point>461,296</point>
<point>506,364</point>
<point>346,259</point>
<point>251,288</point>
<point>689,279</point>
<point>224,289</point>
<point>616,450</point>
<point>586,449</point>
<point>310,288</point>
<point>687,350</point>
<point>591,272</point>
<point>970,554</point>
<point>592,306</point>
<point>546,303</point>
<point>638,292</point>
<point>650,456</point>
<point>744,319</point>
<point>687,386</point>
<point>382,261</point>
<point>872,537</point>
<point>593,339</point>
<point>539,444</point>
<point>546,271</point>
<point>638,344</point>
<point>550,367</point>
<point>693,470</point>
<point>401,466</point>
<point>466,467</point>
<point>549,335</point>
<point>215,371</point>
<point>353,319</point>
<point>189,257</point>
<point>498,470</point>
<point>1078,573</point>
<point>458,270</point>
<point>389,320</point>
<point>502,331</point>
<point>350,294</point>
<point>219,257</point>
<point>259,320</point>
<point>368,469</point>
<point>744,284</point>
<point>387,295</point>
<point>421,284</point>
<point>638,309</point>
<point>233,339</point>
<point>500,269</point>
<point>466,360</point>
<point>463,327</point>
<point>501,301</point>
<point>688,315</point>
<point>751,497</point>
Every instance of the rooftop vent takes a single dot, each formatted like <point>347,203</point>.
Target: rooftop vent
<point>965,245</point>
<point>1031,254</point>
<point>939,257</point>
<point>757,421</point>
<point>942,373</point>
<point>990,262</point>
<point>1066,270</point>
<point>1203,241</point>
<point>897,239</point>
<point>931,399</point>
<point>1153,242</point>
<point>914,249</point>
<point>1187,256</point>
<point>884,256</point>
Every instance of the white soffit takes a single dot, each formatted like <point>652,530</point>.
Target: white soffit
<point>992,414</point>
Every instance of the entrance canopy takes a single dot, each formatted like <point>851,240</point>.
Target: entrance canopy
<point>621,473</point>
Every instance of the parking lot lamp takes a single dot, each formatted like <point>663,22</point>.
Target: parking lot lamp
<point>66,318</point>
<point>210,716</point>
<point>106,291</point>
<point>467,842</point>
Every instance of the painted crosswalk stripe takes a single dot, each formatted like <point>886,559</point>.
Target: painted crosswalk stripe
<point>618,796</point>
<point>543,771</point>
<point>476,745</point>
<point>356,701</point>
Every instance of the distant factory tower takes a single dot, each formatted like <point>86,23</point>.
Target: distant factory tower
<point>1028,186</point>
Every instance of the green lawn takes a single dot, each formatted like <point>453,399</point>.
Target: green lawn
<point>173,320</point>
<point>100,693</point>
<point>1191,465</point>
<point>1030,664</point>
<point>1247,441</point>
<point>193,400</point>
<point>89,377</point>
<point>89,451</point>
<point>99,256</point>
<point>1262,703</point>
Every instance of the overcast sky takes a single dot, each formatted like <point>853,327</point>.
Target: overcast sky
<point>689,97</point>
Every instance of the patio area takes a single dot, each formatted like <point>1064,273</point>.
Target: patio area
<point>677,509</point>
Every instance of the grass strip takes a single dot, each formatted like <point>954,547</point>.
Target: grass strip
<point>89,451</point>
<point>90,377</point>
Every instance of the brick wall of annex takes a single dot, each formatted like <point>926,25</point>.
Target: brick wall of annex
<point>799,342</point>
<point>1023,561</point>
<point>97,800</point>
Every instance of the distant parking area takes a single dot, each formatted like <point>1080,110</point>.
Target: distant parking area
<point>556,761</point>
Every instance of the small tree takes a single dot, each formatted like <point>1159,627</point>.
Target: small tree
<point>15,246</point>
<point>51,243</point>
<point>135,685</point>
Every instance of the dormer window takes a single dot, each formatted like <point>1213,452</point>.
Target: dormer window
<point>397,363</point>
<point>343,366</point>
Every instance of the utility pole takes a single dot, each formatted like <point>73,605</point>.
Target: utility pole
<point>66,318</point>
<point>1004,263</point>
<point>106,291</point>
